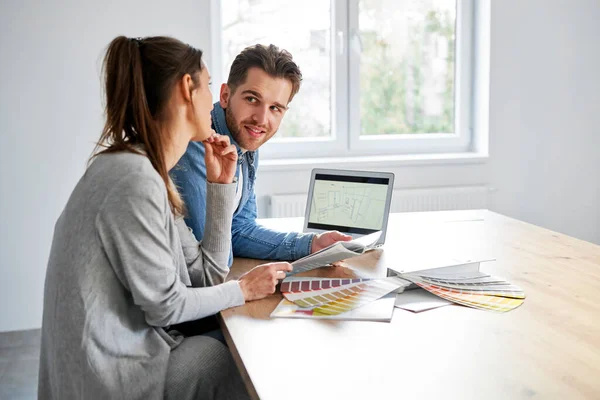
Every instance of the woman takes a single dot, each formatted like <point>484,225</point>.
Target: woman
<point>123,266</point>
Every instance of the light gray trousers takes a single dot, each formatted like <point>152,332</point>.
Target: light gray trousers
<point>202,367</point>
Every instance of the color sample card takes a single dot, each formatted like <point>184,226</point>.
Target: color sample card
<point>380,310</point>
<point>314,298</point>
<point>475,300</point>
<point>341,299</point>
<point>463,282</point>
<point>297,285</point>
<point>503,289</point>
<point>470,288</point>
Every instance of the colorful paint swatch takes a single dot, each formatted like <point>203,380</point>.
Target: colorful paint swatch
<point>344,298</point>
<point>477,282</point>
<point>380,310</point>
<point>475,300</point>
<point>296,285</point>
<point>484,302</point>
<point>499,289</point>
<point>473,289</point>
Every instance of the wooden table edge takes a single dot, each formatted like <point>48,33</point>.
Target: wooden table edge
<point>237,359</point>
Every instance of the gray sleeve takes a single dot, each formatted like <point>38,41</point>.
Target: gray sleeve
<point>207,260</point>
<point>132,227</point>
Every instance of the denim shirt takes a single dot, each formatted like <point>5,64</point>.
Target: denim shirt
<point>249,239</point>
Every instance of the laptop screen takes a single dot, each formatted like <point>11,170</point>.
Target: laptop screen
<point>350,204</point>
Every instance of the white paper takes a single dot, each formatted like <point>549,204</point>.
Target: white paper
<point>419,300</point>
<point>336,252</point>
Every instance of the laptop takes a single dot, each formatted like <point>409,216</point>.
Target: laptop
<point>356,203</point>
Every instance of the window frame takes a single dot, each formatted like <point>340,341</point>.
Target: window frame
<point>345,139</point>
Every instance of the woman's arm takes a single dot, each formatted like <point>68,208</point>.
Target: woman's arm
<point>207,265</point>
<point>132,227</point>
<point>207,260</point>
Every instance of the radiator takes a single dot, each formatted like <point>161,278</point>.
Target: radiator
<point>403,200</point>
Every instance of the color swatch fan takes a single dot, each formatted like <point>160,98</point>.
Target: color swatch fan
<point>475,289</point>
<point>331,297</point>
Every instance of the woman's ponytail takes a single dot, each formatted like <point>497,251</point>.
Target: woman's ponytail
<point>139,75</point>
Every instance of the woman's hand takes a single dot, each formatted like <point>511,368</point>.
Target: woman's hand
<point>260,281</point>
<point>221,159</point>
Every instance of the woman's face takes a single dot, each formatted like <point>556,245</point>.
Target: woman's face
<point>203,105</point>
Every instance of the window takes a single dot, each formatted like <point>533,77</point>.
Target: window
<point>304,29</point>
<point>380,76</point>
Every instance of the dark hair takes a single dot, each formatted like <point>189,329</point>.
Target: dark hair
<point>275,62</point>
<point>139,77</point>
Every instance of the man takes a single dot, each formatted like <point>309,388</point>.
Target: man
<point>261,84</point>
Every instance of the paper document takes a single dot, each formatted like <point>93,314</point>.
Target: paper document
<point>419,300</point>
<point>336,252</point>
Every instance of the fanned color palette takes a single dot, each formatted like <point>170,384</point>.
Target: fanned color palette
<point>361,298</point>
<point>330,297</point>
<point>479,290</point>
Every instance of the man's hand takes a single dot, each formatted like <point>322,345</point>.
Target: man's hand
<point>260,281</point>
<point>220,158</point>
<point>327,239</point>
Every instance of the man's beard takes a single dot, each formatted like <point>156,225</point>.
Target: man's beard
<point>236,132</point>
<point>234,129</point>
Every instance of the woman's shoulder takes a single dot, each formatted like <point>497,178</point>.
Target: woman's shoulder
<point>124,159</point>
<point>127,170</point>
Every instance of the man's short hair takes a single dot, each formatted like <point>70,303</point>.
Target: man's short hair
<point>274,61</point>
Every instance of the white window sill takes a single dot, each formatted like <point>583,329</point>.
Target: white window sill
<point>363,162</point>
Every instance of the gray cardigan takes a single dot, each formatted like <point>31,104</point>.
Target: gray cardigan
<point>121,268</point>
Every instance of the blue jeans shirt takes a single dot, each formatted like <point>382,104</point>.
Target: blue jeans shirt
<point>249,239</point>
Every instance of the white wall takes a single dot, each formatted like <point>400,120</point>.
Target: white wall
<point>50,116</point>
<point>545,113</point>
<point>543,120</point>
<point>544,165</point>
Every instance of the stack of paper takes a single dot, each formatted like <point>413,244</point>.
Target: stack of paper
<point>473,289</point>
<point>338,298</point>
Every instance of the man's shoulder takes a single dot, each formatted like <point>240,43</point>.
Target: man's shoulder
<point>194,149</point>
<point>192,161</point>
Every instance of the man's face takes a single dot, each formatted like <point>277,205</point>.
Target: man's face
<point>254,111</point>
